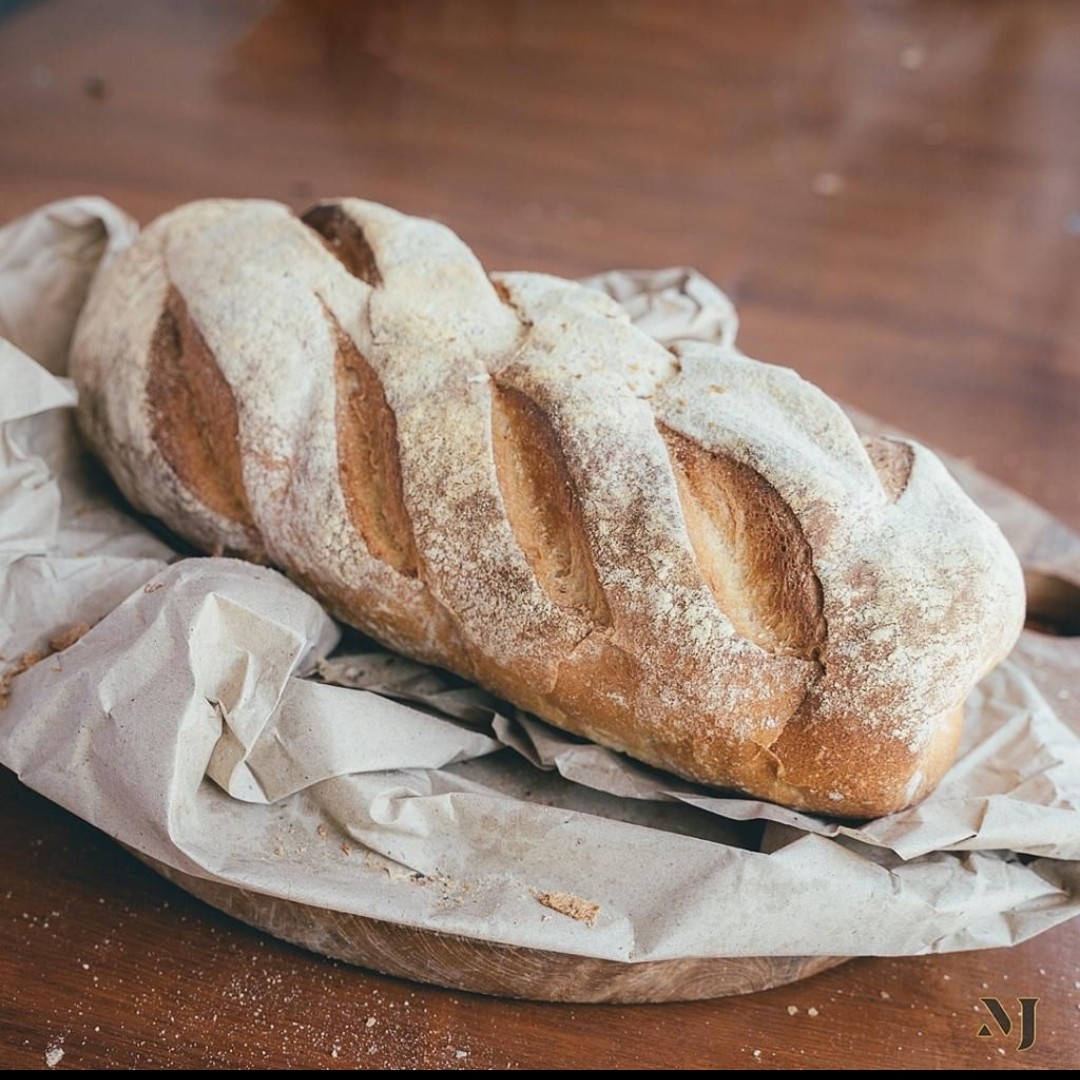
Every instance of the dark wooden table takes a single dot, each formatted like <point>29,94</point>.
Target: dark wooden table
<point>889,191</point>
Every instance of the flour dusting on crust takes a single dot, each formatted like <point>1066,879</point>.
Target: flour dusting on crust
<point>678,552</point>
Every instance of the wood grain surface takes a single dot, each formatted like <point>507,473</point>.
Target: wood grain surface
<point>891,194</point>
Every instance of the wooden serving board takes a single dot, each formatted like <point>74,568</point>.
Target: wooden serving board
<point>1049,650</point>
<point>486,967</point>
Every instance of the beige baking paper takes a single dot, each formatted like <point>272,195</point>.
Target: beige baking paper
<point>210,719</point>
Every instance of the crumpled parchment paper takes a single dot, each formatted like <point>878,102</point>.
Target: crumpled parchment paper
<point>204,712</point>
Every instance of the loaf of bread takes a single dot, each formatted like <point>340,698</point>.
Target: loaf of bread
<point>682,554</point>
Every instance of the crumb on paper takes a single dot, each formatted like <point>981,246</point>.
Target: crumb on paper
<point>567,904</point>
<point>57,644</point>
<point>393,870</point>
<point>450,890</point>
<point>68,637</point>
<point>21,665</point>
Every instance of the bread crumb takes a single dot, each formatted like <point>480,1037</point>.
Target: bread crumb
<point>811,1011</point>
<point>95,87</point>
<point>792,1010</point>
<point>371,1021</point>
<point>21,665</point>
<point>827,184</point>
<point>567,904</point>
<point>885,996</point>
<point>68,637</point>
<point>53,1053</point>
<point>57,644</point>
<point>912,58</point>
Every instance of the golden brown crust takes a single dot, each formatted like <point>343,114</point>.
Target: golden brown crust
<point>368,460</point>
<point>540,504</point>
<point>685,555</point>
<point>193,412</point>
<point>751,550</point>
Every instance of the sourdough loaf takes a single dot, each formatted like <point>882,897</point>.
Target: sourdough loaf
<point>683,554</point>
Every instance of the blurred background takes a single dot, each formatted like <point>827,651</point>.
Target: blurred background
<point>888,190</point>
